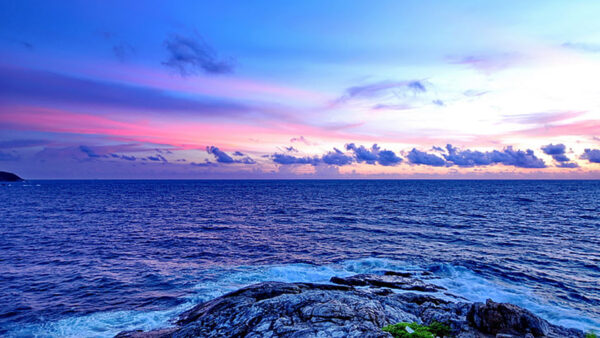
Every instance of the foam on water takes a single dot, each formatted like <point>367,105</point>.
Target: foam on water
<point>458,280</point>
<point>475,288</point>
<point>102,324</point>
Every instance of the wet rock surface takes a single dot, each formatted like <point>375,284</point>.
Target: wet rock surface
<point>356,306</point>
<point>509,319</point>
<point>388,280</point>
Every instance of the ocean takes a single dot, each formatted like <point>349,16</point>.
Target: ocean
<point>93,258</point>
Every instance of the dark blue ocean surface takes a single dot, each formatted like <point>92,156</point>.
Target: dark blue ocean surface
<point>92,258</point>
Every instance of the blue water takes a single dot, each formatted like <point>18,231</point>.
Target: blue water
<point>92,258</point>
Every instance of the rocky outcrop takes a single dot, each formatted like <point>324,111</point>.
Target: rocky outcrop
<point>9,177</point>
<point>508,319</point>
<point>357,306</point>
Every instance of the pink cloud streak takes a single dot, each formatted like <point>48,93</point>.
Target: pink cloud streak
<point>180,134</point>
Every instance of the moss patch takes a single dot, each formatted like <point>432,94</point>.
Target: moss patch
<point>435,329</point>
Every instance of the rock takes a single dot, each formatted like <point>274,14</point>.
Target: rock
<point>275,309</point>
<point>508,319</point>
<point>396,273</point>
<point>291,310</point>
<point>151,334</point>
<point>505,318</point>
<point>420,298</point>
<point>9,177</point>
<point>388,281</point>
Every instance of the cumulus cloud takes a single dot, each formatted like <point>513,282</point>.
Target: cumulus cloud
<point>123,157</point>
<point>466,158</point>
<point>223,157</point>
<point>289,159</point>
<point>206,163</point>
<point>388,158</point>
<point>422,158</point>
<point>190,55</point>
<point>84,153</point>
<point>128,158</point>
<point>570,165</point>
<point>220,156</point>
<point>508,156</point>
<point>554,149</point>
<point>157,158</point>
<point>517,158</point>
<point>246,160</point>
<point>90,152</point>
<point>301,139</point>
<point>592,155</point>
<point>561,158</point>
<point>337,157</point>
<point>557,151</point>
<point>363,154</point>
<point>373,155</point>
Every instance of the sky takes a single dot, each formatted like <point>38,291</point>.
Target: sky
<point>305,89</point>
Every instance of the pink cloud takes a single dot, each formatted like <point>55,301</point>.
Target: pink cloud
<point>183,134</point>
<point>579,128</point>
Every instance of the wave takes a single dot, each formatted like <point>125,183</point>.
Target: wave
<point>476,288</point>
<point>459,281</point>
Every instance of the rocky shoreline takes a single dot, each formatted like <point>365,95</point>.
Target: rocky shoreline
<point>355,306</point>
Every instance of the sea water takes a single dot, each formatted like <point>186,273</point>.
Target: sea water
<point>93,258</point>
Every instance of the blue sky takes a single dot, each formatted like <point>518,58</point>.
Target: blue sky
<point>279,80</point>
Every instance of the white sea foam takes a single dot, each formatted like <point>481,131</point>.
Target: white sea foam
<point>101,324</point>
<point>457,280</point>
<point>475,288</point>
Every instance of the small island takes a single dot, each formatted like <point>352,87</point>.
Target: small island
<point>9,177</point>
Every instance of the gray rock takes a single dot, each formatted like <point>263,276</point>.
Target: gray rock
<point>388,281</point>
<point>510,320</point>
<point>398,273</point>
<point>274,309</point>
<point>505,318</point>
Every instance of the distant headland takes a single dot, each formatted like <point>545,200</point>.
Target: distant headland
<point>9,177</point>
